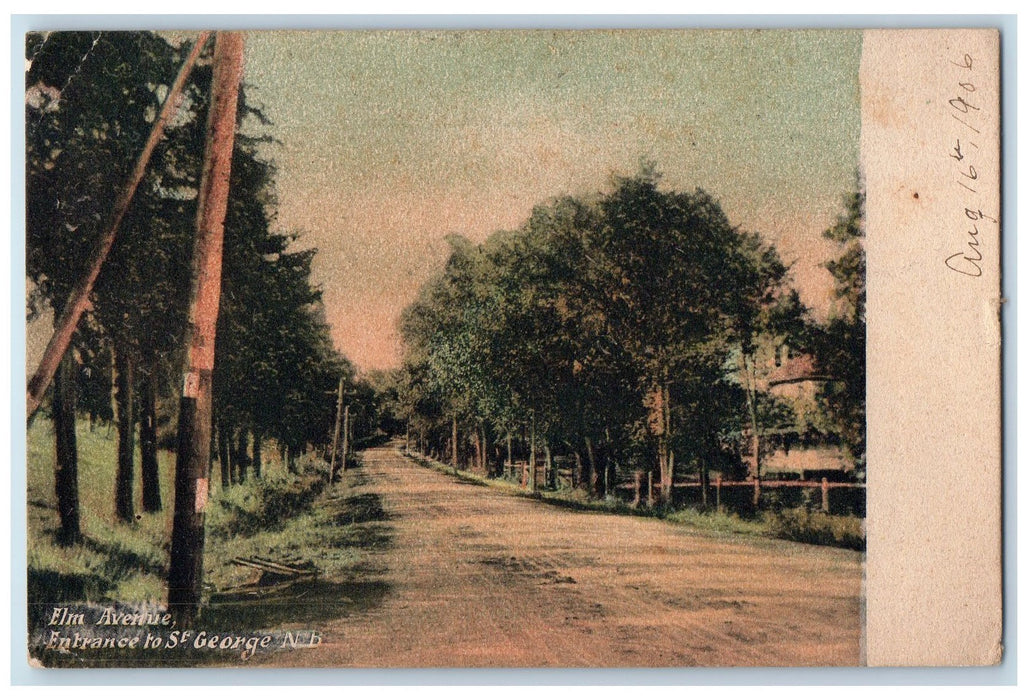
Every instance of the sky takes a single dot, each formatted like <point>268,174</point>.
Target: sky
<point>390,141</point>
<point>387,142</point>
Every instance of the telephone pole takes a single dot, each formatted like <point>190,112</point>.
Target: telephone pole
<point>335,433</point>
<point>192,467</point>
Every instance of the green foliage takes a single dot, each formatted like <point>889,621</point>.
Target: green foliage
<point>567,327</point>
<point>92,98</point>
<point>840,345</point>
<point>267,504</point>
<point>128,562</point>
<point>115,560</point>
<point>801,525</point>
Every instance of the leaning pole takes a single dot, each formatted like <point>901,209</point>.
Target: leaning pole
<point>192,467</point>
<point>78,300</point>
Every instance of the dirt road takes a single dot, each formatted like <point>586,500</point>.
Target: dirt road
<point>477,577</point>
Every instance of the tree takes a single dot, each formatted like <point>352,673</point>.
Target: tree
<point>91,103</point>
<point>840,344</point>
<point>603,326</point>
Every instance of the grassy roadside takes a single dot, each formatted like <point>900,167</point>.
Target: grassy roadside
<point>794,524</point>
<point>283,515</point>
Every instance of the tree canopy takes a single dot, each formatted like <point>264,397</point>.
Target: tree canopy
<point>611,326</point>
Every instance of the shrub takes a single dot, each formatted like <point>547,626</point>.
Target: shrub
<point>818,528</point>
<point>266,503</point>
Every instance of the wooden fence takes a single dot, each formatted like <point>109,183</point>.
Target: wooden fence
<point>637,488</point>
<point>641,488</point>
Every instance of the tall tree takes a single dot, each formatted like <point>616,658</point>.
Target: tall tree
<point>841,343</point>
<point>604,326</point>
<point>91,104</point>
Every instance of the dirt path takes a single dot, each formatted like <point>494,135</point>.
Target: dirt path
<point>478,577</point>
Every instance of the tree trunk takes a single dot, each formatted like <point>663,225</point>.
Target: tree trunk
<point>751,398</point>
<point>548,469</point>
<point>233,456</point>
<point>257,465</point>
<point>241,457</point>
<point>124,508</point>
<point>192,469</point>
<point>531,456</point>
<point>664,443</point>
<point>223,459</point>
<point>148,442</point>
<point>704,481</point>
<point>484,450</point>
<point>453,442</point>
<point>66,479</point>
<point>594,475</point>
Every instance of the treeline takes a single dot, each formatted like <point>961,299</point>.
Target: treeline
<point>90,105</point>
<point>625,331</point>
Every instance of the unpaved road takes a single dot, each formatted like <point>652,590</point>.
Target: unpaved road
<point>477,577</point>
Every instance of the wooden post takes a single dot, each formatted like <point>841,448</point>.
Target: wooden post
<point>637,486</point>
<point>756,492</point>
<point>346,436</point>
<point>192,467</point>
<point>824,494</point>
<point>717,491</point>
<point>78,300</point>
<point>335,432</point>
<point>649,489</point>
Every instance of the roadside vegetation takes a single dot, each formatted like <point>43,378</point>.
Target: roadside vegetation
<point>277,517</point>
<point>795,524</point>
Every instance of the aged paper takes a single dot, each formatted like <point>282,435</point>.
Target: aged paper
<point>930,145</point>
<point>513,348</point>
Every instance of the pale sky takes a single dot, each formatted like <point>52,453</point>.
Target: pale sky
<point>390,141</point>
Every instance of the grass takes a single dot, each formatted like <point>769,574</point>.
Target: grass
<point>818,528</point>
<point>294,518</point>
<point>115,560</point>
<point>795,524</point>
<point>128,562</point>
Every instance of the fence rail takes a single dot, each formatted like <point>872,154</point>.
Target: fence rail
<point>642,486</point>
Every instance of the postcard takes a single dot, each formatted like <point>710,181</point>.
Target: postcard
<point>513,349</point>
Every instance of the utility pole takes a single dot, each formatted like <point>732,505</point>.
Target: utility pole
<point>335,433</point>
<point>192,467</point>
<point>78,300</point>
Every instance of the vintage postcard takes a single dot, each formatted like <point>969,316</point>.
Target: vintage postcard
<point>634,348</point>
